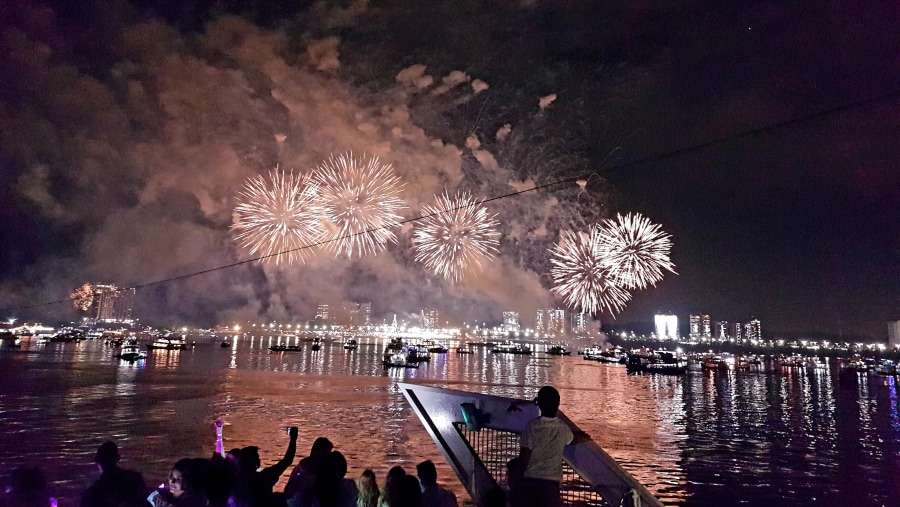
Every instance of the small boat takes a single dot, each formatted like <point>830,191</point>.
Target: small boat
<point>131,352</point>
<point>613,355</point>
<point>225,344</point>
<point>656,361</point>
<point>68,335</point>
<point>856,363</point>
<point>168,342</point>
<point>464,350</point>
<point>316,345</point>
<point>10,340</point>
<point>592,353</point>
<point>558,350</point>
<point>417,354</point>
<point>511,348</point>
<point>435,347</point>
<point>886,367</point>
<point>350,344</point>
<point>285,348</point>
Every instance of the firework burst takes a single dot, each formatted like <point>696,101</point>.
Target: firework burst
<point>83,297</point>
<point>581,277</point>
<point>278,217</point>
<point>635,250</point>
<point>454,235</point>
<point>360,200</point>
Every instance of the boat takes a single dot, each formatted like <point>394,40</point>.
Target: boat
<point>417,354</point>
<point>10,340</point>
<point>722,362</point>
<point>510,348</point>
<point>751,363</point>
<point>592,353</point>
<point>285,348</point>
<point>316,345</point>
<point>435,347</point>
<point>225,344</point>
<point>656,361</point>
<point>68,335</point>
<point>350,344</point>
<point>397,359</point>
<point>558,350</point>
<point>886,367</point>
<point>131,352</point>
<point>478,435</point>
<point>168,342</point>
<point>465,349</point>
<point>856,364</point>
<point>614,355</point>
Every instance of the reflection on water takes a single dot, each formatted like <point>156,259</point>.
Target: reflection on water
<point>710,438</point>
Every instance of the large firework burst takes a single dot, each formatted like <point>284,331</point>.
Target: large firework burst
<point>635,250</point>
<point>454,235</point>
<point>279,216</point>
<point>581,277</point>
<point>360,200</point>
<point>83,297</point>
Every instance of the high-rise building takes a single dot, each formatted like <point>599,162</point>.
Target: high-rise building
<point>430,318</point>
<point>511,322</point>
<point>700,327</point>
<point>579,322</point>
<point>753,330</point>
<point>894,333</point>
<point>112,304</point>
<point>349,313</point>
<point>322,312</point>
<point>722,330</point>
<point>738,331</point>
<point>539,321</point>
<point>666,326</point>
<point>365,313</point>
<point>556,322</point>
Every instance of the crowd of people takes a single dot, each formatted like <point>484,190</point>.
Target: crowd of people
<point>236,478</point>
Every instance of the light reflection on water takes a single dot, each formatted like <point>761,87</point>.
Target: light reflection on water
<point>709,438</point>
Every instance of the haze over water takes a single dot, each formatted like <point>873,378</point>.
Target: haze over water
<point>708,438</point>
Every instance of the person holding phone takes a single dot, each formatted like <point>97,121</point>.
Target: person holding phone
<point>255,485</point>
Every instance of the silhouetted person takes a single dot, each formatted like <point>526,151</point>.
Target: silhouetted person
<point>409,493</point>
<point>116,486</point>
<point>300,488</point>
<point>392,486</point>
<point>26,488</point>
<point>254,485</point>
<point>219,480</point>
<point>541,454</point>
<point>332,488</point>
<point>367,485</point>
<point>432,494</point>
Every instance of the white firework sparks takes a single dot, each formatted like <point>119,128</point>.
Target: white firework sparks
<point>455,235</point>
<point>360,200</point>
<point>581,277</point>
<point>278,217</point>
<point>635,250</point>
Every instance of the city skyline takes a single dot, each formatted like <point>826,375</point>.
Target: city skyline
<point>761,140</point>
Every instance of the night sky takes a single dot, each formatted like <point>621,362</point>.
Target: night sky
<point>761,136</point>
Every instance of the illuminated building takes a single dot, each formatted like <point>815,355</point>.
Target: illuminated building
<point>365,313</point>
<point>894,333</point>
<point>556,322</point>
<point>349,313</point>
<point>722,330</point>
<point>666,326</point>
<point>753,330</point>
<point>539,321</point>
<point>737,331</point>
<point>112,304</point>
<point>700,327</point>
<point>579,322</point>
<point>430,318</point>
<point>511,322</point>
<point>322,312</point>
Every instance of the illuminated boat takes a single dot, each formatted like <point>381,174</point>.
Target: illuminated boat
<point>479,434</point>
<point>398,359</point>
<point>656,361</point>
<point>316,345</point>
<point>465,349</point>
<point>592,353</point>
<point>131,352</point>
<point>351,344</point>
<point>612,355</point>
<point>435,347</point>
<point>168,342</point>
<point>511,348</point>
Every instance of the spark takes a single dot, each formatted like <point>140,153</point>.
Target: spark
<point>581,277</point>
<point>83,297</point>
<point>360,200</point>
<point>279,216</point>
<point>635,250</point>
<point>455,235</point>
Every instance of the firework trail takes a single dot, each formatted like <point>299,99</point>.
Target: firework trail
<point>581,277</point>
<point>360,200</point>
<point>279,216</point>
<point>83,297</point>
<point>454,235</point>
<point>635,250</point>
